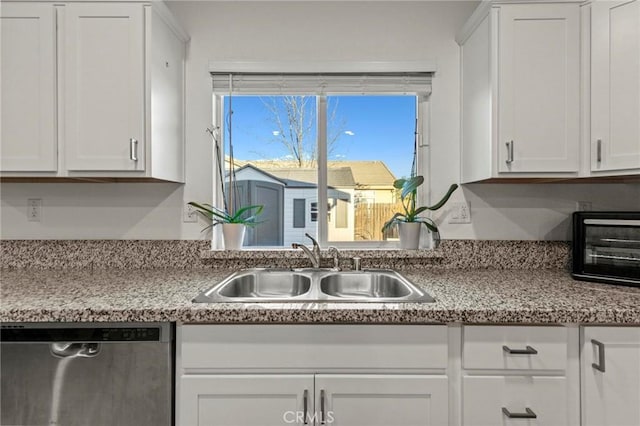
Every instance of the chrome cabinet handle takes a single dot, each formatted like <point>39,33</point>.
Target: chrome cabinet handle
<point>599,150</point>
<point>509,152</point>
<point>600,365</point>
<point>527,351</point>
<point>305,406</point>
<point>322,410</point>
<point>528,414</point>
<point>133,149</point>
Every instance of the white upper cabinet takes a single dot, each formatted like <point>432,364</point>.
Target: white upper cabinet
<point>521,91</point>
<point>28,83</point>
<point>615,86</point>
<point>104,102</point>
<point>538,88</point>
<point>550,90</point>
<point>92,90</point>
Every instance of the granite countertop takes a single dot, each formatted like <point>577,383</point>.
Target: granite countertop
<point>462,296</point>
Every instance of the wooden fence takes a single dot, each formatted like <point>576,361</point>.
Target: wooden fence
<point>369,219</point>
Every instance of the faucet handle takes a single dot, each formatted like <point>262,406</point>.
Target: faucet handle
<point>316,246</point>
<point>356,263</point>
<point>336,257</point>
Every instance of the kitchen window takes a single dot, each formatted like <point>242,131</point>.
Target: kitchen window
<point>332,144</point>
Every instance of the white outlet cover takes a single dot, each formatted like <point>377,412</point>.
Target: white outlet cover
<point>189,214</point>
<point>460,213</point>
<point>34,209</point>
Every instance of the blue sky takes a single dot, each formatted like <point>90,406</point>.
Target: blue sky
<point>371,128</point>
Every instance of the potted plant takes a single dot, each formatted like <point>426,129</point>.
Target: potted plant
<point>233,225</point>
<point>409,221</point>
<point>233,218</point>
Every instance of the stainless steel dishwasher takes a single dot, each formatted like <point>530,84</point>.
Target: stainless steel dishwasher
<point>84,374</point>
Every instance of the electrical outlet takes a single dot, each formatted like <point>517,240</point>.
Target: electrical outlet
<point>189,215</point>
<point>34,209</point>
<point>584,206</point>
<point>460,213</point>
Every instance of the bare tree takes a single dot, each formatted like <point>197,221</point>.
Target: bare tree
<point>293,118</point>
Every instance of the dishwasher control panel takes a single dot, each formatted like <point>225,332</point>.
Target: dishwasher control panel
<point>75,334</point>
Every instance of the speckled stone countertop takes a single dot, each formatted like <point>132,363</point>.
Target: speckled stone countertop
<point>462,296</point>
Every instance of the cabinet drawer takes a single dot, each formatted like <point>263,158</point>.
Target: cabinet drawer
<point>515,347</point>
<point>484,398</point>
<point>315,347</point>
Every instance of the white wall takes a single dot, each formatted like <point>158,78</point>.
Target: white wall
<point>322,31</point>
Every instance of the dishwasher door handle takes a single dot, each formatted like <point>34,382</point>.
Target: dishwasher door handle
<point>67,349</point>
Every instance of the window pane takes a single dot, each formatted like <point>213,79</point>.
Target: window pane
<point>299,212</point>
<point>274,143</point>
<point>370,144</point>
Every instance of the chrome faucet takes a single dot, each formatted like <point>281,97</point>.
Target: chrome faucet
<point>316,246</point>
<point>314,254</point>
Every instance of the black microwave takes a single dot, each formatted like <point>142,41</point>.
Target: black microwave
<point>606,247</point>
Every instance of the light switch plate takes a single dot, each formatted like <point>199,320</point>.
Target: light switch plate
<point>460,213</point>
<point>584,206</point>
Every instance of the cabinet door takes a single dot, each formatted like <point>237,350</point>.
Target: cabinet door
<point>28,86</point>
<point>615,85</point>
<point>245,400</point>
<point>485,397</point>
<point>104,86</point>
<point>539,88</point>
<point>383,400</point>
<point>610,397</point>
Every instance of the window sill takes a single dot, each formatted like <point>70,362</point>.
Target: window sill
<point>271,257</point>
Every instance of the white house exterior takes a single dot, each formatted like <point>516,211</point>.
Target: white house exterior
<point>299,208</point>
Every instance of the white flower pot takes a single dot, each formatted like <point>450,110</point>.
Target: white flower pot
<point>409,235</point>
<point>233,234</point>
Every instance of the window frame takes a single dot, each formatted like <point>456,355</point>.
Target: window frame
<point>422,140</point>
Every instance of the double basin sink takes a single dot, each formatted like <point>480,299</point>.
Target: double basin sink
<point>314,285</point>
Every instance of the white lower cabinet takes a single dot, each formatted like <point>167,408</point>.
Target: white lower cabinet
<point>381,400</point>
<point>246,399</point>
<point>611,376</point>
<point>520,375</point>
<point>292,399</point>
<point>517,400</point>
<point>343,375</point>
<point>413,375</point>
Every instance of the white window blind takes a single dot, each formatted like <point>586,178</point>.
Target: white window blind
<point>418,83</point>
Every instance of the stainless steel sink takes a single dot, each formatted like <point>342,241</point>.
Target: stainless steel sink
<point>314,285</point>
<point>258,285</point>
<point>368,285</point>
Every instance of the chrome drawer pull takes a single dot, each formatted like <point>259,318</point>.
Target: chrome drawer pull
<point>322,411</point>
<point>528,414</point>
<point>600,365</point>
<point>527,351</point>
<point>305,409</point>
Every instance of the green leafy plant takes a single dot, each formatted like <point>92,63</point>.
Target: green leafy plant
<point>231,213</point>
<point>408,194</point>
<point>247,215</point>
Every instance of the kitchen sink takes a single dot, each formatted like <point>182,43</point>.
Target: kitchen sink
<point>364,285</point>
<point>258,285</point>
<point>314,285</point>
